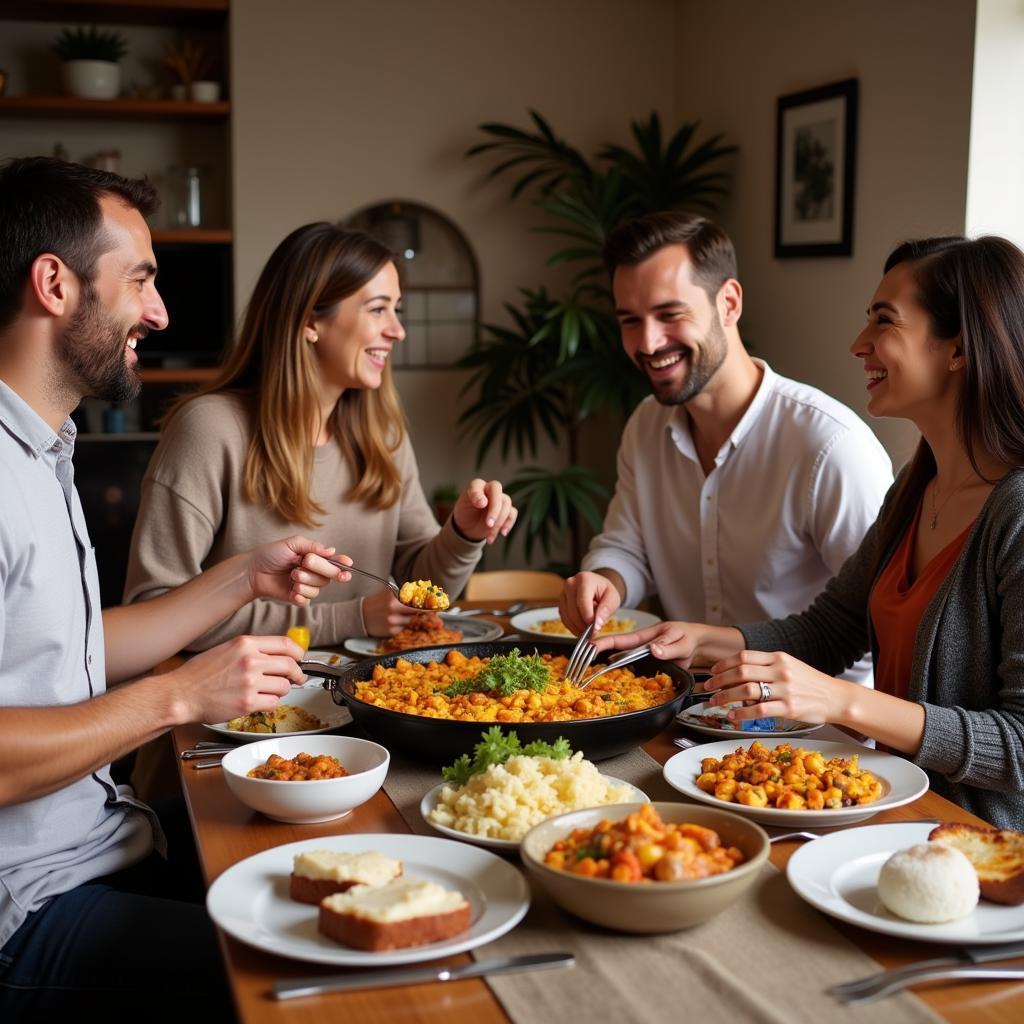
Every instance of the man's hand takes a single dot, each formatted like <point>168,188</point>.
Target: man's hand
<point>588,597</point>
<point>484,511</point>
<point>385,615</point>
<point>249,673</point>
<point>293,570</point>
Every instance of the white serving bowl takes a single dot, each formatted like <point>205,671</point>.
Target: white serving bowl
<point>317,799</point>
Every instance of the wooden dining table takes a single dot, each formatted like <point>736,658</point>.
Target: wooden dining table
<point>227,831</point>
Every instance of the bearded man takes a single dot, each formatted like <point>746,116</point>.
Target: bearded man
<point>101,898</point>
<point>740,493</point>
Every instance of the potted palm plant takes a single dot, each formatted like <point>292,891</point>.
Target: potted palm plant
<point>90,62</point>
<point>560,361</point>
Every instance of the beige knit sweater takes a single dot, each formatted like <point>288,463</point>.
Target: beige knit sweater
<point>193,515</point>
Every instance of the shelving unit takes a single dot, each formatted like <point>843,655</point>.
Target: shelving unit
<point>128,108</point>
<point>178,125</point>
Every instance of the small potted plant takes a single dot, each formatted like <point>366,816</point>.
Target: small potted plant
<point>90,62</point>
<point>189,63</point>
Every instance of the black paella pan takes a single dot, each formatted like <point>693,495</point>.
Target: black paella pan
<point>440,740</point>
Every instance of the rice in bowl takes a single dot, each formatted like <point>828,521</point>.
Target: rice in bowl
<point>506,800</point>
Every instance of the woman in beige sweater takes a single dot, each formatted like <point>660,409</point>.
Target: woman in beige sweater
<point>303,427</point>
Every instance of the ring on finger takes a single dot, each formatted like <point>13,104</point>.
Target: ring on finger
<point>766,692</point>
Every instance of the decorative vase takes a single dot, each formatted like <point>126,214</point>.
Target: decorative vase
<point>92,79</point>
<point>179,91</point>
<point>205,92</point>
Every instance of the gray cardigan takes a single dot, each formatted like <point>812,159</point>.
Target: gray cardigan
<point>968,666</point>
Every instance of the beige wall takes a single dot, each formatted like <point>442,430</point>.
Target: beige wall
<point>913,60</point>
<point>995,199</point>
<point>340,104</point>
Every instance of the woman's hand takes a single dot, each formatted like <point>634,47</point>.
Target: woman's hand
<point>484,511</point>
<point>794,689</point>
<point>681,642</point>
<point>385,615</point>
<point>293,570</point>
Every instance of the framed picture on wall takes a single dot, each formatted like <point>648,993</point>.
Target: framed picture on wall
<point>815,146</point>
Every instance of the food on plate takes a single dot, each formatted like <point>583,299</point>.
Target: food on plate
<point>508,788</point>
<point>423,594</point>
<point>300,634</point>
<point>789,778</point>
<point>929,883</point>
<point>283,718</point>
<point>424,630</point>
<point>508,688</point>
<point>319,873</point>
<point>403,912</point>
<point>997,856</point>
<point>558,628</point>
<point>643,848</point>
<point>301,768</point>
<point>720,721</point>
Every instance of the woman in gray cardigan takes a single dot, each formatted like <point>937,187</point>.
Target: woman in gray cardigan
<point>936,589</point>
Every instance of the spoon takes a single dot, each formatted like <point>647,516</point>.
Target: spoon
<point>393,587</point>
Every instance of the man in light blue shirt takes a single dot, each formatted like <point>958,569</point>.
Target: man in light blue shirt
<point>91,917</point>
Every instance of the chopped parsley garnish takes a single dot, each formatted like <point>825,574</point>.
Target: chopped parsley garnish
<point>505,675</point>
<point>496,747</point>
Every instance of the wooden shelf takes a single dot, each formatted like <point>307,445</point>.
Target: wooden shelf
<point>73,106</point>
<point>178,375</point>
<point>194,13</point>
<point>192,236</point>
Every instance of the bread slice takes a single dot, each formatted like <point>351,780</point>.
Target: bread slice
<point>320,873</point>
<point>997,856</point>
<point>404,912</point>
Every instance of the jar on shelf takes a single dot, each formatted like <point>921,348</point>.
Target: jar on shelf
<point>186,203</point>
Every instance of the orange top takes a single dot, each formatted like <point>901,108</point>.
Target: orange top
<point>896,606</point>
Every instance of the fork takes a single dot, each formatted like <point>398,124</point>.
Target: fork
<point>625,658</point>
<point>355,568</point>
<point>582,655</point>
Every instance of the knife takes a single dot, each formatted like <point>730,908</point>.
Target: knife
<point>418,975</point>
<point>910,972</point>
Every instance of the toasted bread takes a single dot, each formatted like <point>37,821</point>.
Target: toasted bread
<point>997,856</point>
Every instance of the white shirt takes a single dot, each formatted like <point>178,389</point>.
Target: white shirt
<point>794,489</point>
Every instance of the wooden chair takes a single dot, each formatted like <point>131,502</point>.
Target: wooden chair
<point>513,584</point>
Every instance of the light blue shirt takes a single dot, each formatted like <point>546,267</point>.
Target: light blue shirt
<point>51,653</point>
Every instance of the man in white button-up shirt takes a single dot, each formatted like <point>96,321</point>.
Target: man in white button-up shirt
<point>740,493</point>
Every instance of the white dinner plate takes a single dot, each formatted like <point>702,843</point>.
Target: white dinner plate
<point>429,802</point>
<point>473,631</point>
<point>528,622</point>
<point>313,698</point>
<point>838,874</point>
<point>901,780</point>
<point>250,900</point>
<point>692,717</point>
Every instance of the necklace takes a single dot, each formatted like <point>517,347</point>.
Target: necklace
<point>935,488</point>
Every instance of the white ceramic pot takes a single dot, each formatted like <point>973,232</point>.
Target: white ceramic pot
<point>92,79</point>
<point>205,92</point>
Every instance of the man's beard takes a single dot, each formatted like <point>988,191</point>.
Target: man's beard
<point>93,347</point>
<point>710,355</point>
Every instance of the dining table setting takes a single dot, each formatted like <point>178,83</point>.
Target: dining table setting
<point>792,929</point>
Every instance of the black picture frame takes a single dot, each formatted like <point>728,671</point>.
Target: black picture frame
<point>815,159</point>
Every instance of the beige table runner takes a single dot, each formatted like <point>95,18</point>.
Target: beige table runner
<point>766,960</point>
